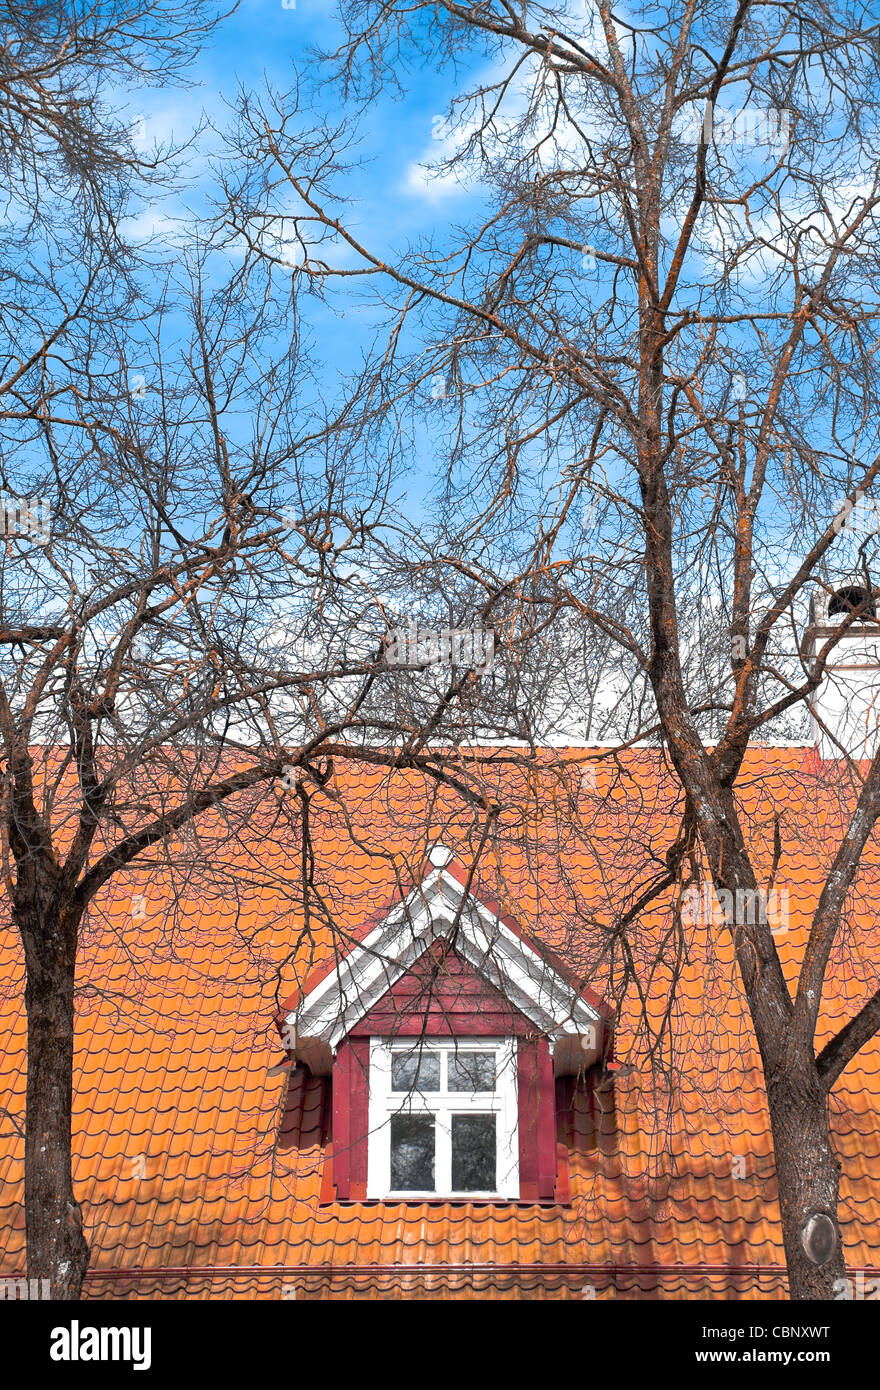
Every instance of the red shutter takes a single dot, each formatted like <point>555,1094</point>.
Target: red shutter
<point>537,1121</point>
<point>351,1118</point>
<point>341,1150</point>
<point>462,1004</point>
<point>359,1102</point>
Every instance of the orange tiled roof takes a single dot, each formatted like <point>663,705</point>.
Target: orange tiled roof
<point>199,1163</point>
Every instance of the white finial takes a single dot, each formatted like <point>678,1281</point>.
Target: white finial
<point>439,856</point>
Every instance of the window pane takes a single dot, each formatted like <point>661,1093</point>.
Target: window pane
<point>473,1153</point>
<point>472,1071</point>
<point>415,1071</point>
<point>412,1153</point>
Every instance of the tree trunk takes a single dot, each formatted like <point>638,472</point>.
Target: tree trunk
<point>56,1246</point>
<point>808,1179</point>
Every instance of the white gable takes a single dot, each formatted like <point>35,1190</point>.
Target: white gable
<point>433,910</point>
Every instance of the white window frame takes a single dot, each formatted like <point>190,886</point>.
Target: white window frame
<point>503,1102</point>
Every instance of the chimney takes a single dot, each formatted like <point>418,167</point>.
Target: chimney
<point>846,706</point>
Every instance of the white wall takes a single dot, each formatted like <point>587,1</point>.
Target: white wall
<point>848,701</point>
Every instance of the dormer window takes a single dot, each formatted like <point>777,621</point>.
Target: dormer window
<point>443,1118</point>
<point>442,1033</point>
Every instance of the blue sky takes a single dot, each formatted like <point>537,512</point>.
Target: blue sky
<point>393,205</point>
<point>265,42</point>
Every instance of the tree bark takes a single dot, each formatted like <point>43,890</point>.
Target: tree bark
<point>56,1244</point>
<point>807,1176</point>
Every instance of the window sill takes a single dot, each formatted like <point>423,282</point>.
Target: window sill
<point>444,1202</point>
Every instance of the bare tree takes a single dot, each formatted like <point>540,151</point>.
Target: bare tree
<point>663,323</point>
<point>69,163</point>
<point>183,625</point>
<point>191,570</point>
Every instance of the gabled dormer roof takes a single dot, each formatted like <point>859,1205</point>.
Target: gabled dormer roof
<point>443,907</point>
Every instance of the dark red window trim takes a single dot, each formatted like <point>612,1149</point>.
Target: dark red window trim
<point>537,1121</point>
<point>351,1118</point>
<point>442,996</point>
